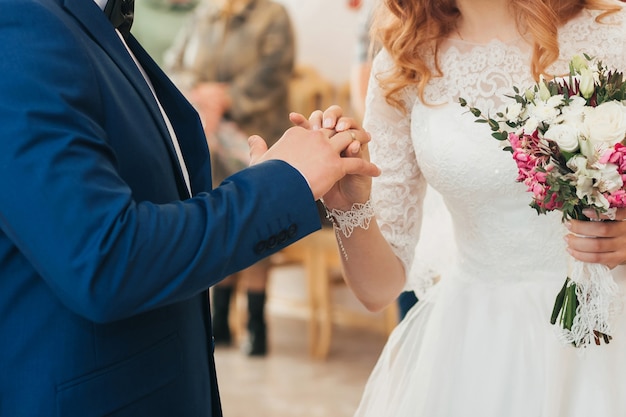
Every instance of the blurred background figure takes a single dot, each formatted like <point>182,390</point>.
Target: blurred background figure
<point>234,59</point>
<point>157,22</point>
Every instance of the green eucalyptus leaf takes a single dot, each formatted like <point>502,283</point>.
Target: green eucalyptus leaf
<point>494,125</point>
<point>558,303</point>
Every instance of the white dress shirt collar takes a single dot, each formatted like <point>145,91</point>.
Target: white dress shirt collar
<point>101,3</point>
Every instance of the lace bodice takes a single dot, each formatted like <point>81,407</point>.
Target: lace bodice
<point>497,234</point>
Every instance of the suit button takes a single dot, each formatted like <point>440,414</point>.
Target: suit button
<point>282,236</point>
<point>272,242</point>
<point>292,230</point>
<point>260,247</point>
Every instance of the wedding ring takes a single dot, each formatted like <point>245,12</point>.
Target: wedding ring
<point>352,135</point>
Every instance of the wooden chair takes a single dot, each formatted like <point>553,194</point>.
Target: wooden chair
<point>319,256</point>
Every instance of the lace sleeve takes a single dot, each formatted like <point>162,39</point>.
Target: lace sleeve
<point>398,193</point>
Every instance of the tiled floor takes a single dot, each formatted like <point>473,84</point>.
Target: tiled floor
<point>288,383</point>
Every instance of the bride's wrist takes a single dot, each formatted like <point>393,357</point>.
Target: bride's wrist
<point>358,215</point>
<point>345,221</point>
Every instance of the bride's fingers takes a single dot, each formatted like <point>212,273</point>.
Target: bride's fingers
<point>619,215</point>
<point>329,132</point>
<point>345,123</point>
<point>330,116</point>
<point>610,259</point>
<point>353,148</point>
<point>299,120</point>
<point>360,138</point>
<point>349,142</point>
<point>606,229</point>
<point>316,120</point>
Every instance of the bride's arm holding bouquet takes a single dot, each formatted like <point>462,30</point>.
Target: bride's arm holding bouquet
<point>567,137</point>
<point>598,242</point>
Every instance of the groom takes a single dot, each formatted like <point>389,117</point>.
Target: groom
<point>110,233</point>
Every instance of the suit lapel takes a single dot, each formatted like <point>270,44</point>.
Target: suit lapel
<point>183,117</point>
<point>98,27</point>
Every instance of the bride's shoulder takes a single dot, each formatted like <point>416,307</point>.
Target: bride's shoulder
<point>597,23</point>
<point>383,62</point>
<point>597,35</point>
<point>382,66</point>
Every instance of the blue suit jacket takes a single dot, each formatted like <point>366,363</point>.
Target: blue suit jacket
<point>104,260</point>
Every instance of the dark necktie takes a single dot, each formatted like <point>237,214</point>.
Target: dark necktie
<point>120,13</point>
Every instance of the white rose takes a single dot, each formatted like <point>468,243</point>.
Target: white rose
<point>513,111</point>
<point>555,101</point>
<point>605,125</point>
<point>565,136</point>
<point>529,127</point>
<point>544,112</point>
<point>573,113</point>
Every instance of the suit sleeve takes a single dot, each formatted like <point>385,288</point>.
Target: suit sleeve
<point>74,219</point>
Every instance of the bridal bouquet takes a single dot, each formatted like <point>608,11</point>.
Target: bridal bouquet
<point>567,139</point>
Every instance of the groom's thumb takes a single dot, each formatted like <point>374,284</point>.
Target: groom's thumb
<point>258,147</point>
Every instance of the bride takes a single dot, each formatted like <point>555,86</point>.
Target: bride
<point>479,342</point>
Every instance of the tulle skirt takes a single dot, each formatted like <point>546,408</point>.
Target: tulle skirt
<point>479,349</point>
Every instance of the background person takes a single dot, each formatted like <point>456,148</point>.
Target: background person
<point>234,60</point>
<point>157,22</point>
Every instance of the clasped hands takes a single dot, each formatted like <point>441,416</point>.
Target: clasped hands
<point>329,150</point>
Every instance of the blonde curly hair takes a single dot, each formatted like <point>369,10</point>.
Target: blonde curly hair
<point>410,30</point>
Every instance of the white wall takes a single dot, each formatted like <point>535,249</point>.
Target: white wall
<point>326,34</point>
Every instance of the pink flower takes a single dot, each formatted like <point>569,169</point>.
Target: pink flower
<point>553,204</point>
<point>615,155</point>
<point>617,198</point>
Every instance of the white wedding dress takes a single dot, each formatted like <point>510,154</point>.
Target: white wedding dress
<point>479,342</point>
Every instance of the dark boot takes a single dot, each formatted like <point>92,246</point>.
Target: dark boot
<point>220,303</point>
<point>257,329</point>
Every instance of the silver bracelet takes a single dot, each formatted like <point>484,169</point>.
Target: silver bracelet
<point>359,215</point>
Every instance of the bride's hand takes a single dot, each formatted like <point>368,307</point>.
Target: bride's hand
<point>601,242</point>
<point>352,188</point>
